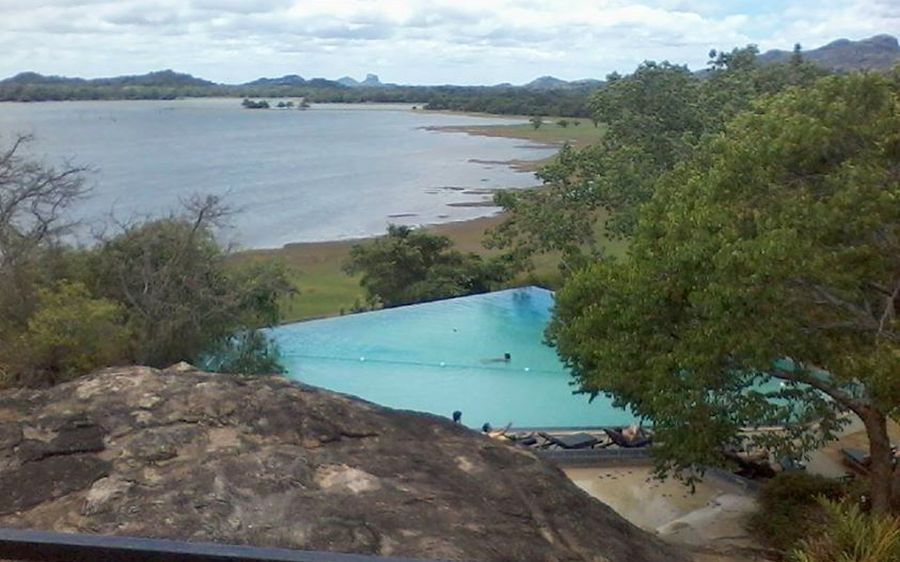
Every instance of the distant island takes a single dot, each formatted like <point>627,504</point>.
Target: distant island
<point>264,104</point>
<point>546,95</point>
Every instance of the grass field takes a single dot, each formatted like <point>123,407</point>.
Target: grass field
<point>550,132</point>
<point>316,268</point>
<point>325,290</point>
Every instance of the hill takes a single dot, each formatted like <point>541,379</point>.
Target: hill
<point>161,78</point>
<point>188,455</point>
<point>880,52</point>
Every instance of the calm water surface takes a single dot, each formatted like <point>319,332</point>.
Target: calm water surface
<point>328,173</point>
<point>446,355</point>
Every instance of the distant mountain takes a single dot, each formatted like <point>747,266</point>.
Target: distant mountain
<point>286,80</point>
<point>158,78</point>
<point>371,81</point>
<point>554,83</point>
<point>546,83</point>
<point>880,52</point>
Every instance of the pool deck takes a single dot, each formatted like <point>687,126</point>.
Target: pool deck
<point>713,515</point>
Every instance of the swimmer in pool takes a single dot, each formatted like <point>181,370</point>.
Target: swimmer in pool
<point>505,359</point>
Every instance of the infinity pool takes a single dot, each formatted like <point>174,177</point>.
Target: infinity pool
<point>448,355</point>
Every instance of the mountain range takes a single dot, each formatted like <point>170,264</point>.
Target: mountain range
<point>880,52</point>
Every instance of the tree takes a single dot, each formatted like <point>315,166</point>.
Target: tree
<point>763,285</point>
<point>655,118</point>
<point>33,201</point>
<point>69,334</point>
<point>180,298</point>
<point>536,122</point>
<point>563,123</point>
<point>408,266</point>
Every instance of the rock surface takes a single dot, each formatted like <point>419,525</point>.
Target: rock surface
<point>189,455</point>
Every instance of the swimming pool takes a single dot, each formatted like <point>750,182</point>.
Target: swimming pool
<point>447,355</point>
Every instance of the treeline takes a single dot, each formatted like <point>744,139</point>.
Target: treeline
<point>569,102</point>
<point>760,205</point>
<point>147,292</point>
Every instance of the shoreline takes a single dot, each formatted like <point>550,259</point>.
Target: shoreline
<point>463,228</point>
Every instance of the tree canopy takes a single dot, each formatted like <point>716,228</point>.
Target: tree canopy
<point>654,118</point>
<point>762,285</point>
<point>409,265</point>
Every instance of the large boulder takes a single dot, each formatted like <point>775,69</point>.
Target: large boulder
<point>190,455</point>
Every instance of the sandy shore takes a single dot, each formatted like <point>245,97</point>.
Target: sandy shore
<point>467,236</point>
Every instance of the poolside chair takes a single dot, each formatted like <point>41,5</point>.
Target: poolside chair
<point>573,441</point>
<point>617,437</point>
<point>856,459</point>
<point>527,440</point>
<point>860,460</point>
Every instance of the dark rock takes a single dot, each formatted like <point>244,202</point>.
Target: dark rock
<point>188,455</point>
<point>37,482</point>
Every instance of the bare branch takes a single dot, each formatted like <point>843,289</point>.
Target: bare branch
<point>34,199</point>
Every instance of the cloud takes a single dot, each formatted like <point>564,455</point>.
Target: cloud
<point>413,41</point>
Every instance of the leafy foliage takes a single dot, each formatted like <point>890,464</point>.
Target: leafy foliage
<point>153,292</point>
<point>852,536</point>
<point>408,266</point>
<point>246,353</point>
<point>180,298</point>
<point>789,510</point>
<point>69,334</point>
<point>655,118</point>
<point>769,257</point>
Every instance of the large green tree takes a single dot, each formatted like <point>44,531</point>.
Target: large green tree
<point>409,265</point>
<point>181,300</point>
<point>762,285</point>
<point>655,118</point>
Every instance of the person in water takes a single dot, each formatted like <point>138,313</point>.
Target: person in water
<point>505,359</point>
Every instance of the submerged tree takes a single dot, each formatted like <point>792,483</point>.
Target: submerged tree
<point>762,286</point>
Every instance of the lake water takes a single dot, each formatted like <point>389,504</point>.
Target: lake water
<point>328,173</point>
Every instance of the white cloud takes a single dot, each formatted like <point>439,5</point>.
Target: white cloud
<point>426,41</point>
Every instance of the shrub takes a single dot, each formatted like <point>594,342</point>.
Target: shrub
<point>69,334</point>
<point>789,510</point>
<point>851,536</point>
<point>248,353</point>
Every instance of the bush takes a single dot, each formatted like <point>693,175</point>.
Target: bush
<point>851,536</point>
<point>248,353</point>
<point>69,334</point>
<point>789,510</point>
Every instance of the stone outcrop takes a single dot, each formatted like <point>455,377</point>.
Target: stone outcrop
<point>189,455</point>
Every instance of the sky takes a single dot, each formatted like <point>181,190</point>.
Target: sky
<point>411,41</point>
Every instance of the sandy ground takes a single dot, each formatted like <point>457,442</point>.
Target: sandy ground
<point>710,521</point>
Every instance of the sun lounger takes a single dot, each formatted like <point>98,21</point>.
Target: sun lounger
<point>526,440</point>
<point>856,458</point>
<point>860,460</point>
<point>573,441</point>
<point>619,439</point>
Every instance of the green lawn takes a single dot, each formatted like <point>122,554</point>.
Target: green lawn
<point>582,134</point>
<point>325,290</point>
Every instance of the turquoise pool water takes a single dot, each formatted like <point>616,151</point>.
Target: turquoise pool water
<point>442,356</point>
